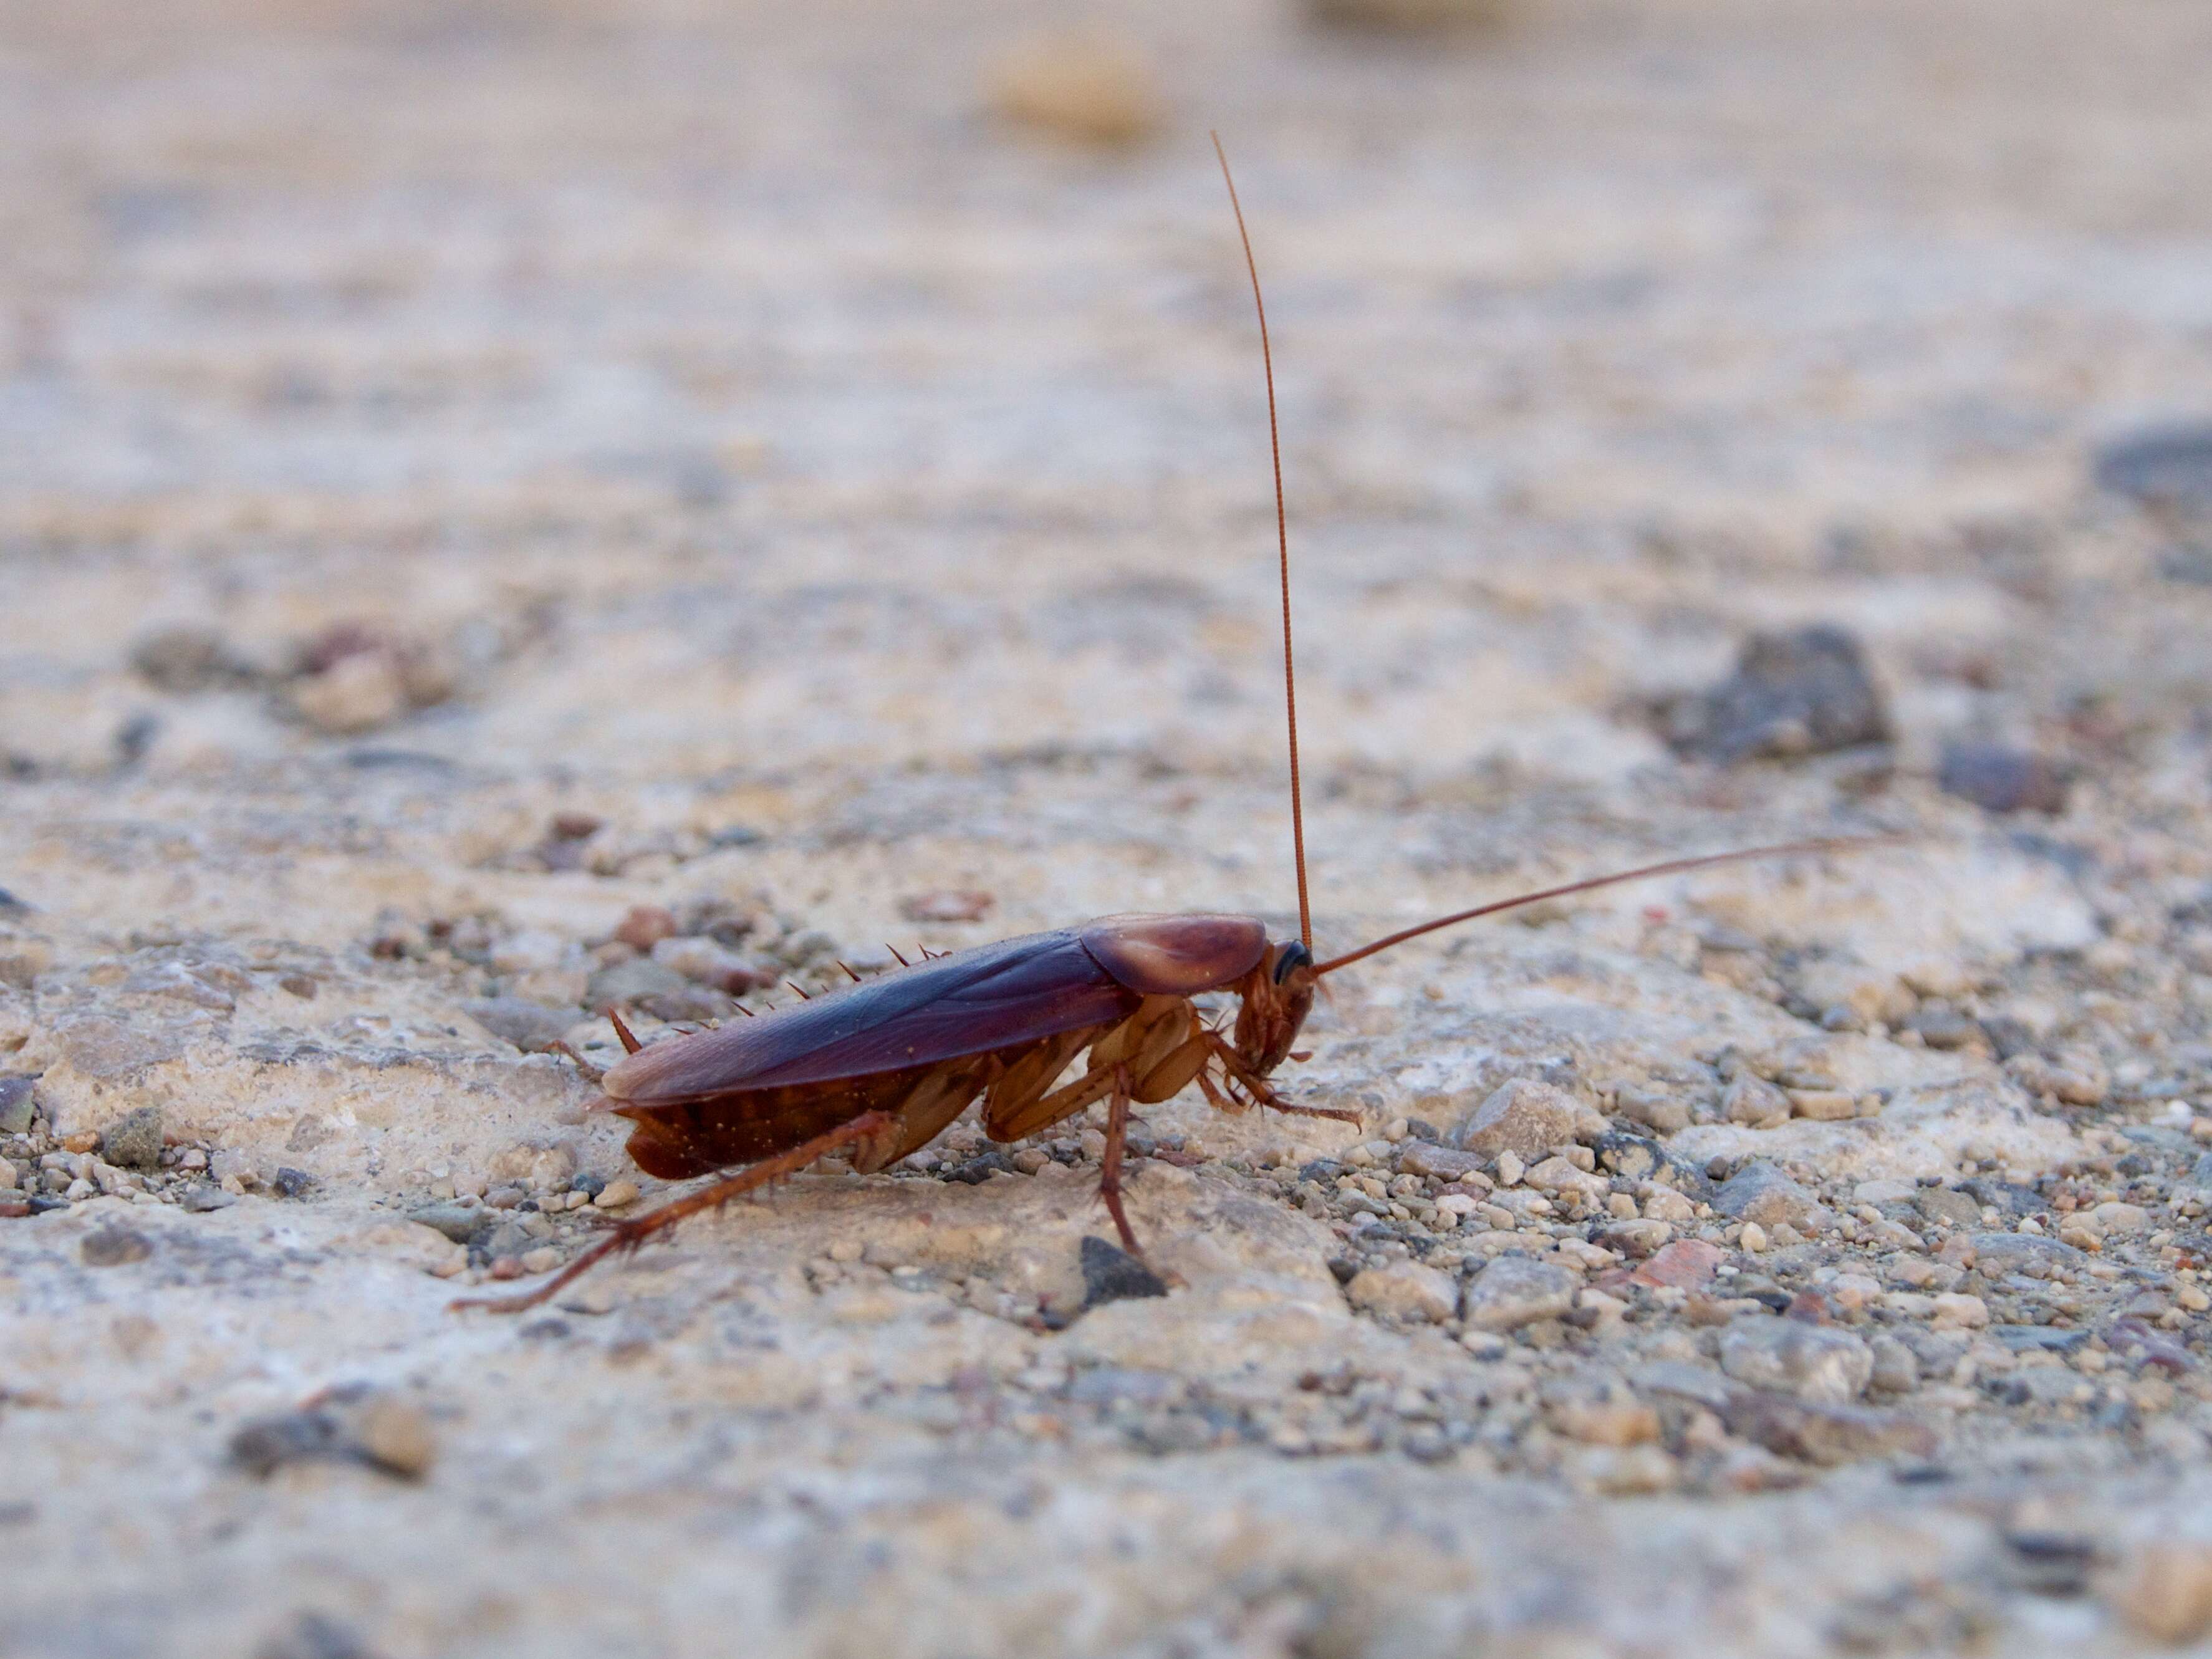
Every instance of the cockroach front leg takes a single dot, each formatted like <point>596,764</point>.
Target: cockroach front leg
<point>628,1234</point>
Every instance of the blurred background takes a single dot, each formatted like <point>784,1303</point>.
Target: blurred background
<point>649,391</point>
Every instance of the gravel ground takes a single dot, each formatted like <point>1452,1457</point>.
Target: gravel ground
<point>509,509</point>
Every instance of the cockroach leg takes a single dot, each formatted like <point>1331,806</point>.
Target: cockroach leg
<point>588,1072</point>
<point>628,1234</point>
<point>1109,1163</point>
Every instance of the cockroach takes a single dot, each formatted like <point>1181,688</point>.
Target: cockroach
<point>878,1067</point>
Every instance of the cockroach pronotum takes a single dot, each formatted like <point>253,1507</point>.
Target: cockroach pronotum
<point>878,1067</point>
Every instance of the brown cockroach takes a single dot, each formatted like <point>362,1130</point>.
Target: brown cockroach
<point>879,1067</point>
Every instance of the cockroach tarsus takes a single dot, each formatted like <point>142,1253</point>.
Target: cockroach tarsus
<point>879,1067</point>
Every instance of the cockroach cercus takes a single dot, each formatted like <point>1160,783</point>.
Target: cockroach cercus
<point>877,1068</point>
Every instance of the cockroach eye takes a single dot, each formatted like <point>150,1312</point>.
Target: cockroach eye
<point>1289,956</point>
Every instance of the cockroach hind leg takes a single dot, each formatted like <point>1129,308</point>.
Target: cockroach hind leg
<point>631,1044</point>
<point>584,1069</point>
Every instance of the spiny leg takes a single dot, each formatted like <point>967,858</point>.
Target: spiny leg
<point>1109,1165</point>
<point>1236,1075</point>
<point>628,1234</point>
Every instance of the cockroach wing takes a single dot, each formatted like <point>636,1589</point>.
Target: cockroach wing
<point>1178,956</point>
<point>968,1003</point>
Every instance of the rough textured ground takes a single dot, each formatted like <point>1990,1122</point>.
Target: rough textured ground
<point>481,490</point>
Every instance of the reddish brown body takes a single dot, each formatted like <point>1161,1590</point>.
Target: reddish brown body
<point>882,1066</point>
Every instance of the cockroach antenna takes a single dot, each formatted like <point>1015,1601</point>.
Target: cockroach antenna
<point>1282,552</point>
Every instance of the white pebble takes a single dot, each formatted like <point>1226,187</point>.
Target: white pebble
<point>616,1193</point>
<point>1754,1237</point>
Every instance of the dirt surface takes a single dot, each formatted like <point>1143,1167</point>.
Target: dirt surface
<point>507,509</point>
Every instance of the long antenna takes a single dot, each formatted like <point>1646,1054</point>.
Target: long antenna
<point>1283,551</point>
<point>1834,844</point>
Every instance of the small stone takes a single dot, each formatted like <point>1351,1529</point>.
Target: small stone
<point>1630,1157</point>
<point>617,1193</point>
<point>134,1140</point>
<point>645,927</point>
<point>2117,1220</point>
<point>8,1176</point>
<point>1663,1113</point>
<point>266,1444</point>
<point>2165,1590</point>
<point>1752,1238</point>
<point>1804,692</point>
<point>1509,1170</point>
<point>202,1196</point>
<point>2169,465</point>
<point>113,1246</point>
<point>530,1026</point>
<point>458,1222</point>
<point>1755,1102</point>
<point>1896,1370</point>
<point>1999,779</point>
<point>289,1183</point>
<point>543,1260</point>
<point>1420,1157</point>
<point>1083,88</point>
<point>656,988</point>
<point>1823,1364</point>
<point>1762,1193</point>
<point>1405,1290</point>
<point>1110,1273</point>
<point>1687,1264</point>
<point>1528,1119</point>
<point>1516,1291</point>
<point>1824,1105</point>
<point>395,1435</point>
<point>16,1105</point>
<point>1948,1206</point>
<point>358,692</point>
<point>1557,1176</point>
<point>1998,1254</point>
<point>1956,1311</point>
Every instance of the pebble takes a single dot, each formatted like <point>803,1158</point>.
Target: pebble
<point>203,1196</point>
<point>1528,1119</point>
<point>617,1193</point>
<point>1824,1105</point>
<point>1752,1238</point>
<point>1998,778</point>
<point>2165,1590</point>
<point>395,1435</point>
<point>1755,1102</point>
<point>530,1026</point>
<point>8,1176</point>
<point>1760,1192</point>
<point>1083,88</point>
<point>1686,1264</point>
<point>1896,1369</point>
<point>134,1140</point>
<point>1955,1311</point>
<point>1405,1290</point>
<point>1110,1273</point>
<point>1664,1114</point>
<point>1422,1157</point>
<point>1516,1291</point>
<point>543,1260</point>
<point>1822,1363</point>
<point>459,1222</point>
<point>2167,466</point>
<point>16,1104</point>
<point>1803,692</point>
<point>1948,1206</point>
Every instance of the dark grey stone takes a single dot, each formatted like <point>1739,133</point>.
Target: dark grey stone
<point>16,1105</point>
<point>2170,464</point>
<point>266,1444</point>
<point>1110,1273</point>
<point>458,1222</point>
<point>204,1195</point>
<point>1998,779</point>
<point>1804,692</point>
<point>2039,1339</point>
<point>1630,1157</point>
